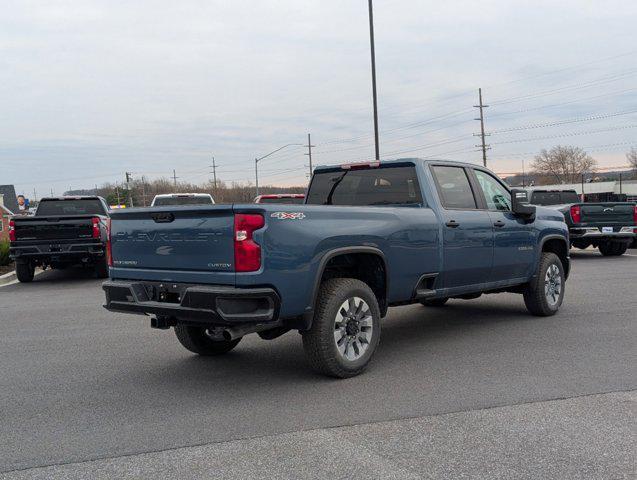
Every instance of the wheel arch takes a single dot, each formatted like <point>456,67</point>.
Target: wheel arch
<point>558,245</point>
<point>380,287</point>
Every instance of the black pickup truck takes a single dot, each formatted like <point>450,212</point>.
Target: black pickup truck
<point>64,231</point>
<point>609,226</point>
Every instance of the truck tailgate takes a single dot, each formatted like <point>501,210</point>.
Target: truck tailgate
<point>197,239</point>
<point>53,228</point>
<point>607,213</point>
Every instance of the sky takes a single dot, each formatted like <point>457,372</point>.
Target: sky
<point>92,89</point>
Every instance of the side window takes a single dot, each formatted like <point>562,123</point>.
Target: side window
<point>498,197</point>
<point>454,187</point>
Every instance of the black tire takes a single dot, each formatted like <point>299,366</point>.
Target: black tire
<point>319,341</point>
<point>435,302</point>
<point>197,341</point>
<point>25,271</point>
<point>537,301</point>
<point>101,268</point>
<point>612,249</point>
<point>621,249</point>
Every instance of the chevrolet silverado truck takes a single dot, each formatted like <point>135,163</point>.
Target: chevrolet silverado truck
<point>369,237</point>
<point>609,226</point>
<point>64,231</point>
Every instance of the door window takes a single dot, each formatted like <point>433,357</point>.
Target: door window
<point>497,197</point>
<point>454,187</point>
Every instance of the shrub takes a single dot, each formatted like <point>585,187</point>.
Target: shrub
<point>4,253</point>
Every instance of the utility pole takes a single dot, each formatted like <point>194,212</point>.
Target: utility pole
<point>175,178</point>
<point>214,175</point>
<point>51,191</point>
<point>309,151</point>
<point>523,179</point>
<point>144,190</point>
<point>129,176</point>
<point>373,54</point>
<point>35,195</point>
<point>484,146</point>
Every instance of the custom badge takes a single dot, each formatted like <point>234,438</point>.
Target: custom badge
<point>288,215</point>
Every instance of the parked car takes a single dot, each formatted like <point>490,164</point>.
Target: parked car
<point>609,226</point>
<point>168,199</point>
<point>294,198</point>
<point>64,231</point>
<point>369,237</point>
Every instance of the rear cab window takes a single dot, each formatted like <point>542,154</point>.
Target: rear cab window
<point>83,206</point>
<point>385,185</point>
<point>554,197</point>
<point>283,200</point>
<point>454,187</point>
<point>185,200</point>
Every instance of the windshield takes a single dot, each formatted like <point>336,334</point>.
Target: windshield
<point>372,186</point>
<point>71,207</point>
<point>186,200</point>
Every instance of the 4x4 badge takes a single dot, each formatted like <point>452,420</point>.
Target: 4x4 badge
<point>288,215</point>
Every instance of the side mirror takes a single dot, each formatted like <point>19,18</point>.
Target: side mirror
<point>520,203</point>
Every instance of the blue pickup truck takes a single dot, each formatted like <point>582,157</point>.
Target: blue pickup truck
<point>369,236</point>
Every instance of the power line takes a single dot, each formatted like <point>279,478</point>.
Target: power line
<point>571,134</point>
<point>562,122</point>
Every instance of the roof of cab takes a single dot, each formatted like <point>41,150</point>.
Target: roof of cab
<point>396,161</point>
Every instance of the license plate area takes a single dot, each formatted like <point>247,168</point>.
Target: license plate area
<point>607,229</point>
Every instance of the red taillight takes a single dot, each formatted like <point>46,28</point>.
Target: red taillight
<point>247,252</point>
<point>635,216</point>
<point>96,227</point>
<point>576,214</point>
<point>11,231</point>
<point>109,248</point>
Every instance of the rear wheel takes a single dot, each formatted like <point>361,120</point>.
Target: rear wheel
<point>345,330</point>
<point>197,340</point>
<point>435,302</point>
<point>101,268</point>
<point>544,294</point>
<point>25,271</point>
<point>612,249</point>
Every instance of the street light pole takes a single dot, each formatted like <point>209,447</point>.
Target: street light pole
<point>373,53</point>
<point>257,160</point>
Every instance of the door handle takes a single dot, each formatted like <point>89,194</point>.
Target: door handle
<point>452,224</point>
<point>499,223</point>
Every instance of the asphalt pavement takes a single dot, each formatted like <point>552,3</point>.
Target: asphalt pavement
<point>84,390</point>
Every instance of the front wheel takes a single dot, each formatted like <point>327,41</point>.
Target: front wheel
<point>197,340</point>
<point>544,294</point>
<point>345,330</point>
<point>25,271</point>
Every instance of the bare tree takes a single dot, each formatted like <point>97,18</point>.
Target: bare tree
<point>632,159</point>
<point>565,164</point>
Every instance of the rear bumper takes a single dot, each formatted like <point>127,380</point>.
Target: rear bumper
<point>57,252</point>
<point>200,304</point>
<point>595,233</point>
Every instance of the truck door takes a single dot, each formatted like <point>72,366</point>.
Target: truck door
<point>513,236</point>
<point>467,231</point>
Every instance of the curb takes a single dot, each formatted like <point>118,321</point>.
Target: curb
<point>7,277</point>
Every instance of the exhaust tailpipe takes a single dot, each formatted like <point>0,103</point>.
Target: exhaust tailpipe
<point>232,333</point>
